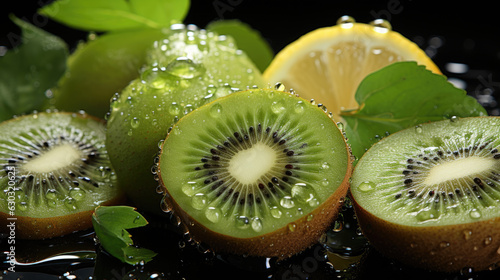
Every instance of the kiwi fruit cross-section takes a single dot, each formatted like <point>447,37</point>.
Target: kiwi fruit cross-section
<point>259,172</point>
<point>188,68</point>
<point>429,196</point>
<point>54,170</point>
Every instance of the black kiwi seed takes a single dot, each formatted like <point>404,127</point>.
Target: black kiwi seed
<point>218,157</point>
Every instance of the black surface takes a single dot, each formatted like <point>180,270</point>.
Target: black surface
<point>450,32</point>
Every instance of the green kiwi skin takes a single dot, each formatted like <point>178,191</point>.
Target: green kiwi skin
<point>142,114</point>
<point>447,247</point>
<point>101,67</point>
<point>288,237</point>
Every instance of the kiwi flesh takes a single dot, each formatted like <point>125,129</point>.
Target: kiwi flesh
<point>183,71</point>
<point>429,196</point>
<point>54,170</point>
<point>259,172</point>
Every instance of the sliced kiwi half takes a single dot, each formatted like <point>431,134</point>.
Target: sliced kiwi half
<point>54,170</point>
<point>429,196</point>
<point>259,172</point>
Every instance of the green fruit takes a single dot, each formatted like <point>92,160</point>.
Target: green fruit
<point>54,170</point>
<point>185,70</point>
<point>101,67</point>
<point>258,172</point>
<point>430,196</point>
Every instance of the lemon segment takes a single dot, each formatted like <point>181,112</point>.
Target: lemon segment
<point>329,63</point>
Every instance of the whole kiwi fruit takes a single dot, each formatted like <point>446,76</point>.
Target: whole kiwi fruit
<point>185,70</point>
<point>259,172</point>
<point>54,170</point>
<point>100,67</point>
<point>429,196</point>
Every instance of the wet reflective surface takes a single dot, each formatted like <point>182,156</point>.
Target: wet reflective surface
<point>470,59</point>
<point>342,253</point>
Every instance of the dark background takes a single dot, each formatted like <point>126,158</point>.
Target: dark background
<point>449,31</point>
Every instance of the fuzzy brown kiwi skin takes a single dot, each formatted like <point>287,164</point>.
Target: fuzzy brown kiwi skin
<point>449,248</point>
<point>281,243</point>
<point>42,228</point>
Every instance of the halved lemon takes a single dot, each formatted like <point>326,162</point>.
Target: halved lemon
<point>328,63</point>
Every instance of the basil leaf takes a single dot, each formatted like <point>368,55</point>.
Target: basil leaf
<point>399,96</point>
<point>111,224</point>
<point>26,72</point>
<point>247,39</point>
<point>112,15</point>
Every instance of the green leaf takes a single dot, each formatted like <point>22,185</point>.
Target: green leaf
<point>111,224</point>
<point>112,15</point>
<point>27,71</point>
<point>399,96</point>
<point>247,39</point>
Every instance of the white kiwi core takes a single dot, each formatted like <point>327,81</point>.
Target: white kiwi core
<point>56,158</point>
<point>247,166</point>
<point>460,168</point>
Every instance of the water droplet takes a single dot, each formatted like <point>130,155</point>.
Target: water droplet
<point>302,192</point>
<point>134,122</point>
<point>22,206</point>
<point>299,107</point>
<point>51,194</point>
<point>338,226</point>
<point>346,21</point>
<point>216,110</point>
<point>185,68</point>
<point>467,271</point>
<point>70,203</point>
<point>279,86</point>
<point>292,227</point>
<point>341,126</point>
<point>213,214</point>
<point>165,206</point>
<point>152,77</point>
<point>256,224</point>
<point>174,109</point>
<point>444,244</point>
<point>223,91</point>
<point>275,212</point>
<point>19,195</point>
<point>130,132</point>
<point>488,240</point>
<point>325,182</point>
<point>475,214</point>
<point>277,107</point>
<point>287,202</point>
<point>427,214</point>
<point>454,118</point>
<point>160,143</point>
<point>313,202</point>
<point>325,165</point>
<point>367,186</point>
<point>199,201</point>
<point>77,194</point>
<point>418,129</point>
<point>189,189</point>
<point>381,25</point>
<point>242,222</point>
